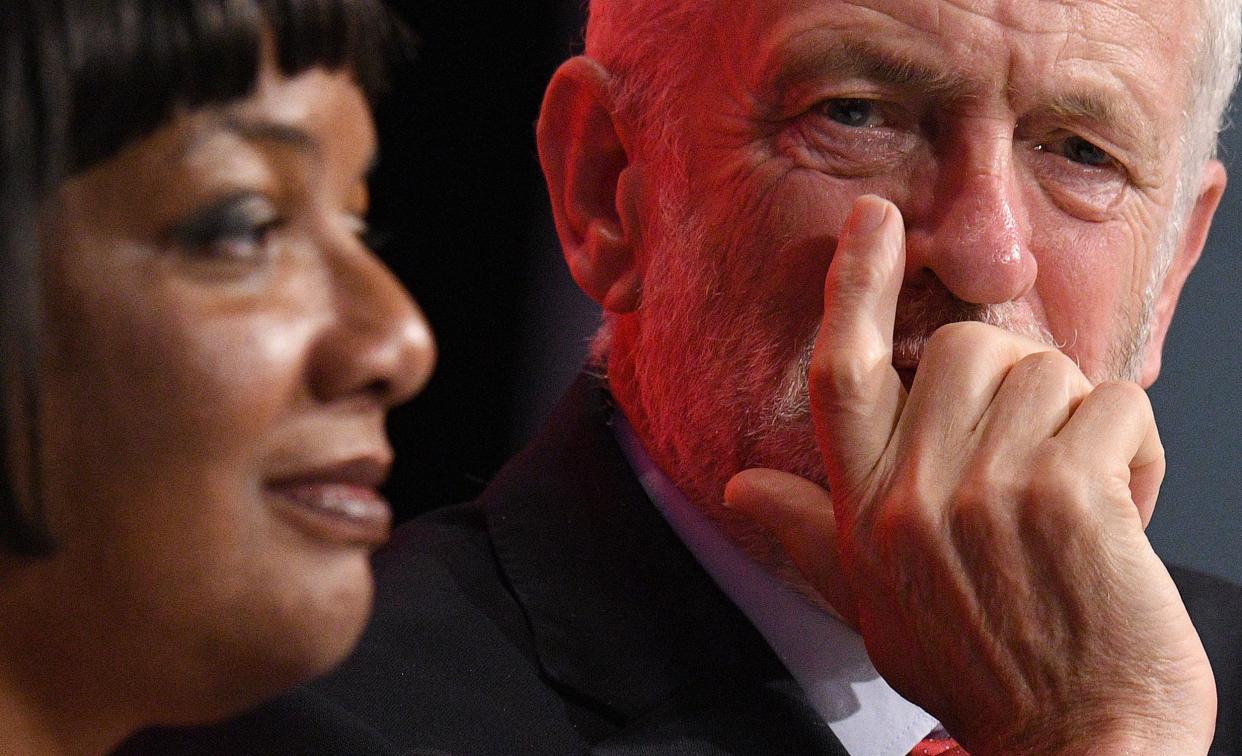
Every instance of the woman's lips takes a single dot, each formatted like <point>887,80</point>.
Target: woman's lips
<point>337,512</point>
<point>340,505</point>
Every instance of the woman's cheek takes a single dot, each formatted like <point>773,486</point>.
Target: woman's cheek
<point>238,374</point>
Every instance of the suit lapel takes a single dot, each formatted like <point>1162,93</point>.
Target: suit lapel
<point>621,612</point>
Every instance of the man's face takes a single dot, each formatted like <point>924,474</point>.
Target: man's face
<point>1031,146</point>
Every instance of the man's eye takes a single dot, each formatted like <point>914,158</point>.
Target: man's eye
<point>853,112</point>
<point>1079,150</point>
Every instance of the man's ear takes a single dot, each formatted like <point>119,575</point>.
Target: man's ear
<point>585,153</point>
<point>1193,238</point>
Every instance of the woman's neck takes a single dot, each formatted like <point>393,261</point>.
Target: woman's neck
<point>30,724</point>
<point>51,702</point>
<point>25,730</point>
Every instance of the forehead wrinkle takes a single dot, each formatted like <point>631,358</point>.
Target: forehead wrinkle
<point>862,58</point>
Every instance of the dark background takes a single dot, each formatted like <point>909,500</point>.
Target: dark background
<point>460,196</point>
<point>460,191</point>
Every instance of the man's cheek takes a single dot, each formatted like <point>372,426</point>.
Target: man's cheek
<point>1091,290</point>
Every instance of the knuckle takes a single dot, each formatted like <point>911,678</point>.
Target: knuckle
<point>906,524</point>
<point>907,540</point>
<point>1060,487</point>
<point>1158,453</point>
<point>1047,364</point>
<point>1127,394</point>
<point>862,275</point>
<point>1056,474</point>
<point>980,499</point>
<point>841,375</point>
<point>1052,370</point>
<point>958,336</point>
<point>982,486</point>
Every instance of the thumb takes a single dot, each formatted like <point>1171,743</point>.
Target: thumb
<point>799,513</point>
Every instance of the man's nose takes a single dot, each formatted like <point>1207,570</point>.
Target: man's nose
<point>974,234</point>
<point>379,344</point>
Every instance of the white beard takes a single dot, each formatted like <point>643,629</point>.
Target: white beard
<point>718,396</point>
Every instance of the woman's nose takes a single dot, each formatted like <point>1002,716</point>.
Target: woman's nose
<point>379,344</point>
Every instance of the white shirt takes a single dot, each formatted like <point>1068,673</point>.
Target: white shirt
<point>825,657</point>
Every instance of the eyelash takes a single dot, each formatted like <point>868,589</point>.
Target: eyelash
<point>1084,189</point>
<point>873,110</point>
<point>882,114</point>
<point>863,136</point>
<point>1050,146</point>
<point>235,229</point>
<point>879,144</point>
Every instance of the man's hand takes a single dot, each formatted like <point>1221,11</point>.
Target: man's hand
<point>985,531</point>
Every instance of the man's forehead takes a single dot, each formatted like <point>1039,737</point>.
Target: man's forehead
<point>1071,52</point>
<point>1032,15</point>
<point>742,27</point>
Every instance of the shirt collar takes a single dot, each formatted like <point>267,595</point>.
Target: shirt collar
<point>826,658</point>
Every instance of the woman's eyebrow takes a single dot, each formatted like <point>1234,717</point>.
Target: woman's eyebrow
<point>271,131</point>
<point>292,136</point>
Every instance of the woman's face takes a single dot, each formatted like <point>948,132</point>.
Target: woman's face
<point>222,351</point>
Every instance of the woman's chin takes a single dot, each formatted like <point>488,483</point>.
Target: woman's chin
<point>316,631</point>
<point>274,645</point>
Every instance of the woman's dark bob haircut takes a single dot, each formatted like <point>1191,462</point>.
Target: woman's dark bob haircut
<point>82,79</point>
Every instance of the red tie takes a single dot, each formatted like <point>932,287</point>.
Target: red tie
<point>938,747</point>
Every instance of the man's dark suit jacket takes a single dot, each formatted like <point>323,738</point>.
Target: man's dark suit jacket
<point>559,614</point>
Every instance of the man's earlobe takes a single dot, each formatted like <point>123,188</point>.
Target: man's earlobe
<point>1198,222</point>
<point>585,154</point>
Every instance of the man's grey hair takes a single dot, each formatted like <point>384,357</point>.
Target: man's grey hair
<point>650,50</point>
<point>1213,76</point>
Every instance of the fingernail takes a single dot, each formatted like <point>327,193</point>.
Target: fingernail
<point>868,215</point>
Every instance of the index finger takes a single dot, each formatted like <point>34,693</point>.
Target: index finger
<point>856,393</point>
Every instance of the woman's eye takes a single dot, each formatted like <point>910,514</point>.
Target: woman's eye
<point>1079,150</point>
<point>853,112</point>
<point>234,229</point>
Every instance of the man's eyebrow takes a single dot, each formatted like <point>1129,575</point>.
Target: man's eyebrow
<point>271,131</point>
<point>860,58</point>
